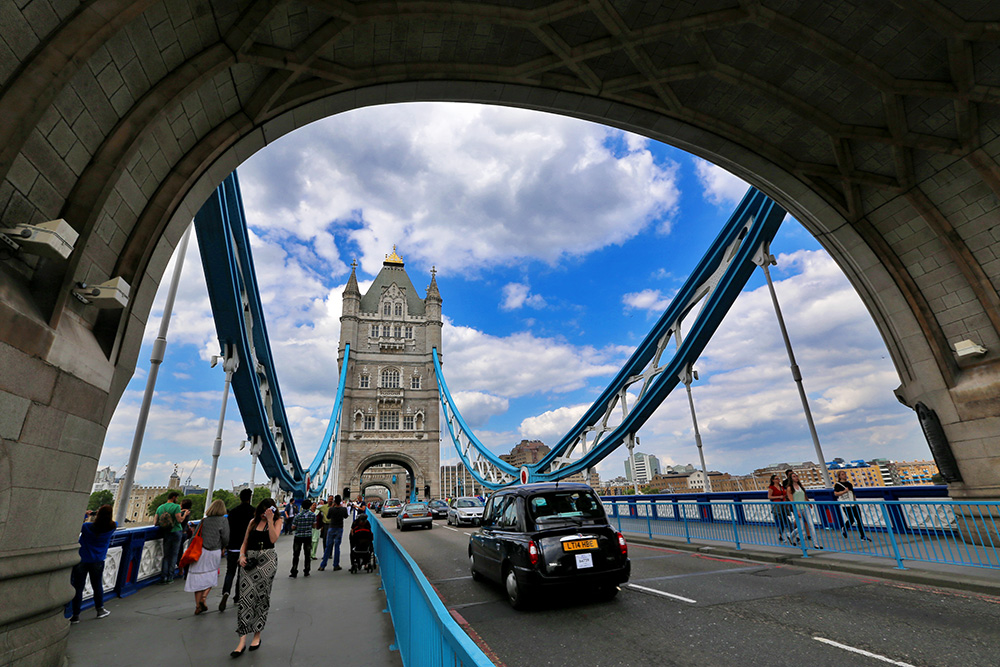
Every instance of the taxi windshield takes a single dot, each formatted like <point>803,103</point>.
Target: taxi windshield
<point>573,506</point>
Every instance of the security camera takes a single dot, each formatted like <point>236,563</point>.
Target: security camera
<point>967,348</point>
<point>110,294</point>
<point>53,239</point>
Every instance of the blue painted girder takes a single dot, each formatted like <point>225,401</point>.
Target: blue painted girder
<point>224,244</point>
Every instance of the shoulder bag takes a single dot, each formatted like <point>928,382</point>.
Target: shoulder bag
<point>193,551</point>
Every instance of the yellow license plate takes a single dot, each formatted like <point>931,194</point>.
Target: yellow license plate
<point>579,545</point>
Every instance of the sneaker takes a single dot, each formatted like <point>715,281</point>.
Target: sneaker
<point>322,569</point>
<point>337,567</point>
<point>292,575</point>
<point>816,546</point>
<point>305,574</point>
<point>103,613</point>
<point>74,620</point>
<point>844,533</point>
<point>222,604</point>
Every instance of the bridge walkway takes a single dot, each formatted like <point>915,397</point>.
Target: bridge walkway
<point>328,618</point>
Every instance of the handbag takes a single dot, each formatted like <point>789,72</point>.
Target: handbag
<point>193,551</point>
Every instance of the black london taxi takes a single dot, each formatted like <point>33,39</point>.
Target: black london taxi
<point>548,536</point>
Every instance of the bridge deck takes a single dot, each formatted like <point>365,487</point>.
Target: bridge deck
<point>327,618</point>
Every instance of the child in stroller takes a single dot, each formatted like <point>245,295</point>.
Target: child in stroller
<point>362,553</point>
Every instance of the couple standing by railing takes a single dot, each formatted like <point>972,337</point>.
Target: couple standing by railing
<point>790,493</point>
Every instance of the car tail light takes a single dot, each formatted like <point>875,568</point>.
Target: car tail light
<point>622,544</point>
<point>405,516</point>
<point>533,553</point>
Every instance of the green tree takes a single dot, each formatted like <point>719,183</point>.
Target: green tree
<point>259,494</point>
<point>226,497</point>
<point>98,498</point>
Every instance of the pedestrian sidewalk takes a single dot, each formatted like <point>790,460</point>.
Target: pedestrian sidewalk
<point>960,577</point>
<point>326,618</point>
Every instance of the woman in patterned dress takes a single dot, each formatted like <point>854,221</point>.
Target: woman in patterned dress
<point>259,563</point>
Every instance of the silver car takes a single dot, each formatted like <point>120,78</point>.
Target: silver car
<point>391,507</point>
<point>465,510</point>
<point>414,515</point>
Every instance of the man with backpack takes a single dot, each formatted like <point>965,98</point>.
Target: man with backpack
<point>170,517</point>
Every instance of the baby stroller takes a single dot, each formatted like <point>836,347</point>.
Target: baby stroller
<point>362,550</point>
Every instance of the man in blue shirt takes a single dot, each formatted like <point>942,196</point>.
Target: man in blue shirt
<point>302,524</point>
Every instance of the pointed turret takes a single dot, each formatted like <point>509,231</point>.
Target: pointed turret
<point>352,304</point>
<point>433,306</point>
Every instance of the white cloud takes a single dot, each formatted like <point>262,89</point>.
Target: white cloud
<point>721,188</point>
<point>551,425</point>
<point>518,295</point>
<point>459,185</point>
<point>648,299</point>
<point>477,407</point>
<point>520,364</point>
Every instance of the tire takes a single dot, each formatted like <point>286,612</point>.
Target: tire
<point>516,595</point>
<point>472,569</point>
<point>607,593</point>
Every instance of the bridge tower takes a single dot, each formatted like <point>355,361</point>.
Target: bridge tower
<point>390,408</point>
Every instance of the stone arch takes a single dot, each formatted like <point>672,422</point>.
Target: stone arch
<point>413,468</point>
<point>900,184</point>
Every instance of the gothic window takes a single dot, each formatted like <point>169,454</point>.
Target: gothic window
<point>415,382</point>
<point>399,310</point>
<point>420,421</point>
<point>365,382</point>
<point>390,378</point>
<point>388,420</point>
<point>374,333</point>
<point>385,330</point>
<point>408,423</point>
<point>369,422</point>
<point>409,332</point>
<point>396,331</point>
<point>387,308</point>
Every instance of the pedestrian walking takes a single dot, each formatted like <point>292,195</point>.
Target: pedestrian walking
<point>95,537</point>
<point>796,493</point>
<point>844,492</point>
<point>203,574</point>
<point>170,518</point>
<point>303,527</point>
<point>334,534</point>
<point>780,508</point>
<point>318,532</point>
<point>259,563</point>
<point>239,518</point>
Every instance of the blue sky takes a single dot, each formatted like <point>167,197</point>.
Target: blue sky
<point>557,244</point>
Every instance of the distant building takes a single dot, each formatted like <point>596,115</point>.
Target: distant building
<point>641,468</point>
<point>913,472</point>
<point>457,481</point>
<point>810,474</point>
<point>528,452</point>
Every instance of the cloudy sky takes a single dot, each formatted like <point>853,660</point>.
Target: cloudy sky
<point>557,244</point>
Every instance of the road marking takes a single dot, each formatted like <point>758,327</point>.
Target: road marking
<point>664,594</point>
<point>454,530</point>
<point>732,570</point>
<point>862,652</point>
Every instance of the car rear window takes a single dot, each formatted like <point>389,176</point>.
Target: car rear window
<point>415,507</point>
<point>554,506</point>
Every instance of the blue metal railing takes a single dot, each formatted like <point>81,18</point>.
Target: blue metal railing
<point>133,562</point>
<point>426,634</point>
<point>932,531</point>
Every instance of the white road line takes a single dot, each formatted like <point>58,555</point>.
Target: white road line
<point>664,594</point>
<point>454,530</point>
<point>862,652</point>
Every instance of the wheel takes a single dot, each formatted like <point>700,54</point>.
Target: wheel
<point>516,595</point>
<point>472,568</point>
<point>607,593</point>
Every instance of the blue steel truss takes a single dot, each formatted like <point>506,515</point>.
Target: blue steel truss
<point>239,321</point>
<point>651,373</point>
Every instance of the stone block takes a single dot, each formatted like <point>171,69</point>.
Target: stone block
<point>44,468</point>
<point>13,410</point>
<point>82,436</point>
<point>77,397</point>
<point>43,426</point>
<point>26,376</point>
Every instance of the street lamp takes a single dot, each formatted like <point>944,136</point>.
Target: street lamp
<point>231,361</point>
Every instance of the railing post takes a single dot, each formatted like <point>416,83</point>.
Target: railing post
<point>892,535</point>
<point>649,524</point>
<point>687,532</point>
<point>732,515</point>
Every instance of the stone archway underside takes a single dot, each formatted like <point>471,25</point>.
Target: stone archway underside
<point>875,123</point>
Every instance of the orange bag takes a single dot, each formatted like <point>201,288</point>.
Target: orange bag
<point>193,551</point>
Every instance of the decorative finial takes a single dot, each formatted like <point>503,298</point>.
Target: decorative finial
<point>393,258</point>
<point>354,264</point>
<point>433,271</point>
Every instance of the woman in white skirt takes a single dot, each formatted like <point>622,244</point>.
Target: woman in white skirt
<point>203,575</point>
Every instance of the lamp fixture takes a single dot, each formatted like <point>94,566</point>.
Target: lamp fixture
<point>110,294</point>
<point>967,348</point>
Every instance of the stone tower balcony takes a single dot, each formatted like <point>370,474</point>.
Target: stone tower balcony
<point>388,396</point>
